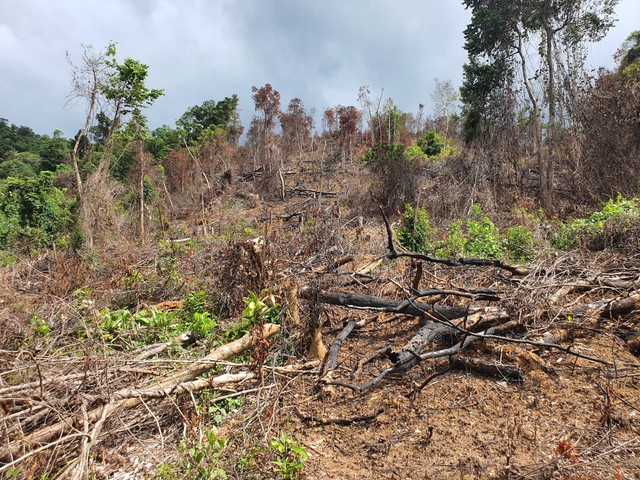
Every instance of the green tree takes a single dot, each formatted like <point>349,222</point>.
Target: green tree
<point>163,140</point>
<point>629,54</point>
<point>431,144</point>
<point>212,115</point>
<point>53,151</point>
<point>14,138</point>
<point>15,166</point>
<point>33,212</point>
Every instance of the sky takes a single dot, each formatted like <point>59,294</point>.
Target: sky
<point>321,51</point>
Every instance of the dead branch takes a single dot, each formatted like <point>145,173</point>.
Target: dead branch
<point>416,359</point>
<point>125,399</point>
<point>332,356</point>
<point>345,422</point>
<point>308,192</point>
<point>610,308</point>
<point>483,367</point>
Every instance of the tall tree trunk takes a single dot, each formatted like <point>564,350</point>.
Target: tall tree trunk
<point>536,109</point>
<point>81,135</point>
<point>141,162</point>
<point>546,165</point>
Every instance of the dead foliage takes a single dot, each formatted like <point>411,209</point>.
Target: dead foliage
<point>457,369</point>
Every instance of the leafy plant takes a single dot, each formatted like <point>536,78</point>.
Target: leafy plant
<point>431,143</point>
<point>483,237</point>
<point>519,243</point>
<point>290,456</point>
<point>477,237</point>
<point>603,227</point>
<point>415,231</point>
<point>202,323</point>
<point>39,325</point>
<point>199,460</point>
<point>147,325</point>
<point>199,301</point>
<point>114,321</point>
<point>414,152</point>
<point>34,213</point>
<point>383,154</point>
<point>220,409</point>
<point>258,309</point>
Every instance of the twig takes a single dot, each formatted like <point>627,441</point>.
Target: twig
<point>40,449</point>
<point>339,421</point>
<point>429,379</point>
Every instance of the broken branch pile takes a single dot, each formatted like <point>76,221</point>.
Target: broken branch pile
<point>528,309</point>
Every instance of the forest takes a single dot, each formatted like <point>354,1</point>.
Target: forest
<point>379,294</point>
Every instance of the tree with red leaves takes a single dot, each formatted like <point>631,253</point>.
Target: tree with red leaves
<point>348,123</point>
<point>267,102</point>
<point>296,126</point>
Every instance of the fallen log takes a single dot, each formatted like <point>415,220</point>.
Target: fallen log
<point>416,359</point>
<point>612,308</point>
<point>483,367</point>
<point>368,302</point>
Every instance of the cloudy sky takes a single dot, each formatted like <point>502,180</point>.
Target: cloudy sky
<point>321,51</point>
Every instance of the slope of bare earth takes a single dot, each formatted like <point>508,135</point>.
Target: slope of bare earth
<point>564,416</point>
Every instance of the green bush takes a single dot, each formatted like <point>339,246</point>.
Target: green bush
<point>431,144</point>
<point>483,237</point>
<point>16,168</point>
<point>475,237</point>
<point>415,231</point>
<point>258,309</point>
<point>34,213</point>
<point>383,154</point>
<point>414,152</point>
<point>519,243</point>
<point>603,228</point>
<point>290,456</point>
<point>199,459</point>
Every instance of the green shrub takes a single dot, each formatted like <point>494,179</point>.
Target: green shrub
<point>475,237</point>
<point>431,144</point>
<point>201,324</point>
<point>16,168</point>
<point>146,326</point>
<point>453,244</point>
<point>258,309</point>
<point>383,154</point>
<point>290,456</point>
<point>415,231</point>
<point>199,459</point>
<point>519,243</point>
<point>603,228</point>
<point>34,213</point>
<point>483,237</point>
<point>414,152</point>
<point>199,301</point>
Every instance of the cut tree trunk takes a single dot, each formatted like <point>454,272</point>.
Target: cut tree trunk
<point>368,302</point>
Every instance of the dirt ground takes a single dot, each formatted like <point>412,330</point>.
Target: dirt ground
<point>566,418</point>
<point>462,425</point>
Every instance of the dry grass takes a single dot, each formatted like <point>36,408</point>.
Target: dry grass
<point>569,418</point>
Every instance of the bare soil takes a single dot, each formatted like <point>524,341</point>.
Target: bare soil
<point>568,418</point>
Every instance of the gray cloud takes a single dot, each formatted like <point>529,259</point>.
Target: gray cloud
<point>319,51</point>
